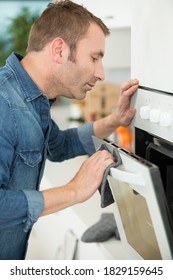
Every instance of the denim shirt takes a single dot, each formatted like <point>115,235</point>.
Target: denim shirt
<point>28,136</point>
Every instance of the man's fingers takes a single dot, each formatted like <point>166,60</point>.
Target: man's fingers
<point>129,84</point>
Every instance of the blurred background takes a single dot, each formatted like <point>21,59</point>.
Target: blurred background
<point>17,17</point>
<point>16,20</point>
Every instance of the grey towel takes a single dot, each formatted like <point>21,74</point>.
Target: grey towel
<point>104,189</point>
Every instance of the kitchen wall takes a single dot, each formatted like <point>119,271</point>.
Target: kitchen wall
<point>117,55</point>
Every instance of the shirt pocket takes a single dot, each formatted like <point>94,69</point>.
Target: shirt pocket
<point>26,170</point>
<point>31,158</point>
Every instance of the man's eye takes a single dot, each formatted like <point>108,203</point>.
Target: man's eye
<point>94,59</point>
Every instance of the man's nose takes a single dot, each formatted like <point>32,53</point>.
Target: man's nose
<point>99,72</point>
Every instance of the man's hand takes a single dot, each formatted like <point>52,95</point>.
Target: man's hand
<point>125,113</point>
<point>81,187</point>
<point>90,175</point>
<point>105,126</point>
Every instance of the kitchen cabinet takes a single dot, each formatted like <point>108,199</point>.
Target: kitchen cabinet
<point>152,44</point>
<point>152,64</point>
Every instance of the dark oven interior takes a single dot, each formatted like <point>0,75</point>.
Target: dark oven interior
<point>159,153</point>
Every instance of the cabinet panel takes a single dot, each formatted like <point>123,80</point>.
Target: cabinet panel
<point>152,43</point>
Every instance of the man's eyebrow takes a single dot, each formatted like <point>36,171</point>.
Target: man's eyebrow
<point>99,53</point>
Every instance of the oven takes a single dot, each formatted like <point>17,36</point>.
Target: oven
<point>140,206</point>
<point>142,183</point>
<point>153,125</point>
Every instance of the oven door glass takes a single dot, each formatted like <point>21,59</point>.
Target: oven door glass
<point>140,206</point>
<point>136,220</point>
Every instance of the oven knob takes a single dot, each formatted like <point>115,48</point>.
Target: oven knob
<point>165,119</point>
<point>145,112</point>
<point>154,115</point>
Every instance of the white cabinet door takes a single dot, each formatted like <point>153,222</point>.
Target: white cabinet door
<point>152,43</point>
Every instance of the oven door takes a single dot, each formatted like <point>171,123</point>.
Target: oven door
<point>140,206</point>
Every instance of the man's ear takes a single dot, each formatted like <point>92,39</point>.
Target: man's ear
<point>57,46</point>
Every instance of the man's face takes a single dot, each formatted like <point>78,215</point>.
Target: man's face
<point>78,77</point>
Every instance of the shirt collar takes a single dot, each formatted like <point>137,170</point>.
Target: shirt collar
<point>28,87</point>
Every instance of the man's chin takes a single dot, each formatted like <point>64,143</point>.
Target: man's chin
<point>83,95</point>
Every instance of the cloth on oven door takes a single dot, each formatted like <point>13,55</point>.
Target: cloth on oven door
<point>104,189</point>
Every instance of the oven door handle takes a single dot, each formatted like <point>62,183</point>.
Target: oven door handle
<point>127,177</point>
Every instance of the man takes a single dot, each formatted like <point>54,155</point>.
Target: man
<point>64,58</point>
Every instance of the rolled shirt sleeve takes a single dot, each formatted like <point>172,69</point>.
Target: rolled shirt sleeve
<point>35,203</point>
<point>85,133</point>
<point>24,208</point>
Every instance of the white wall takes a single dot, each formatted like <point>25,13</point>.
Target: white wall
<point>117,52</point>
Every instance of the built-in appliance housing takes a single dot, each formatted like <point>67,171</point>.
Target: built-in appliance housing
<point>142,185</point>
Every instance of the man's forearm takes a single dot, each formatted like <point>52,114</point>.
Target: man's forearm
<point>106,126</point>
<point>58,198</point>
<point>83,185</point>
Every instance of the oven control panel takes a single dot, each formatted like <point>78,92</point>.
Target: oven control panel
<point>154,113</point>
